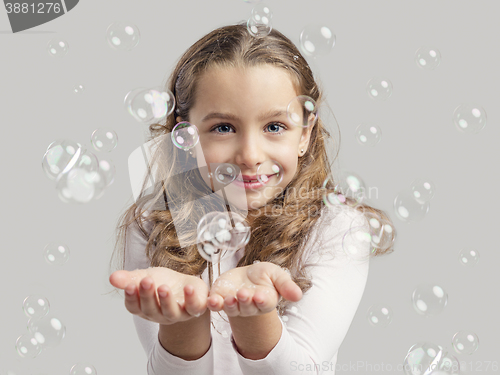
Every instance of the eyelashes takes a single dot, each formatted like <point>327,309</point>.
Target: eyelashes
<point>278,124</point>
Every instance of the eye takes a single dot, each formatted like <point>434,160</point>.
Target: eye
<point>273,128</point>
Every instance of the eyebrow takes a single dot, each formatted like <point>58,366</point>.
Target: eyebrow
<point>229,116</point>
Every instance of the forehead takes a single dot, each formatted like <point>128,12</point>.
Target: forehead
<point>244,89</point>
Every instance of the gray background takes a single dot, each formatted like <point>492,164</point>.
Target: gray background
<point>374,38</point>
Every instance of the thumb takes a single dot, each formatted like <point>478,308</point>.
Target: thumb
<point>285,286</point>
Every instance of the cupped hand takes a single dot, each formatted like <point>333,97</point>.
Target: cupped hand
<point>185,295</point>
<point>252,290</point>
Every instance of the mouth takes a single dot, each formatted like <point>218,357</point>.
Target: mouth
<point>263,178</point>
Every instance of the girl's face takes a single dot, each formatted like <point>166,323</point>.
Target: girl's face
<point>241,118</point>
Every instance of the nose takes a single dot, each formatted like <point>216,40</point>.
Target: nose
<point>250,152</point>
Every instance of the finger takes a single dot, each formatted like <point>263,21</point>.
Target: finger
<point>148,299</point>
<point>120,279</point>
<point>246,304</point>
<point>168,305</point>
<point>193,303</point>
<point>285,286</point>
<point>231,306</point>
<point>132,300</point>
<point>215,302</point>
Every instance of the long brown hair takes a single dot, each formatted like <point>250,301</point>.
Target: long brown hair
<point>231,46</point>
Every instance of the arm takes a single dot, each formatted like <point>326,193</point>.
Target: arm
<point>313,328</point>
<point>168,348</point>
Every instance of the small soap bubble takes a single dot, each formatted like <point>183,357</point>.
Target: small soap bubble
<point>332,199</point>
<point>56,253</point>
<point>83,369</point>
<point>380,315</point>
<point>147,105</point>
<point>226,173</point>
<point>426,358</point>
<point>258,29</point>
<point>379,88</point>
<point>408,209</point>
<point>78,89</point>
<point>104,139</point>
<point>423,190</point>
<point>48,330</point>
<point>60,157</point>
<point>469,118</point>
<point>36,306</point>
<point>316,40</point>
<point>429,299</point>
<point>269,173</point>
<point>57,47</point>
<point>465,342</point>
<point>350,185</point>
<point>355,239</point>
<point>123,36</point>
<point>302,111</point>
<point>427,58</point>
<point>262,14</point>
<point>27,346</point>
<point>368,135</point>
<point>468,256</point>
<point>185,135</point>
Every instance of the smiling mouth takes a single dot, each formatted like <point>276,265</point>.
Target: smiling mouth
<point>264,178</point>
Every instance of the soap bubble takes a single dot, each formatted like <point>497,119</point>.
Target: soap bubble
<point>58,47</point>
<point>258,29</point>
<point>423,190</point>
<point>123,36</point>
<point>226,173</point>
<point>302,111</point>
<point>292,312</point>
<point>78,89</point>
<point>82,369</point>
<point>270,173</point>
<point>60,157</point>
<point>468,256</point>
<point>426,358</point>
<point>332,199</point>
<point>48,330</point>
<point>185,135</point>
<point>27,346</point>
<point>429,299</point>
<point>469,118</point>
<point>368,135</point>
<point>56,253</point>
<point>381,231</point>
<point>316,40</point>
<point>147,105</point>
<point>262,14</point>
<point>379,88</point>
<point>350,185</point>
<point>408,209</point>
<point>36,306</point>
<point>104,140</point>
<point>428,58</point>
<point>380,315</point>
<point>465,342</point>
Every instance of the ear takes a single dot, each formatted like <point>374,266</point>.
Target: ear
<point>304,139</point>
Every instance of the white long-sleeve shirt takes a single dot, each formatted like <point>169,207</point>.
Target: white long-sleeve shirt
<point>312,329</point>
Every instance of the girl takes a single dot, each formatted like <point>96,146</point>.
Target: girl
<point>284,302</point>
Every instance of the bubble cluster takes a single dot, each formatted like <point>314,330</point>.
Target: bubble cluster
<point>316,40</point>
<point>380,315</point>
<point>469,118</point>
<point>185,135</point>
<point>468,256</point>
<point>426,358</point>
<point>56,253</point>
<point>427,58</point>
<point>429,299</point>
<point>302,111</point>
<point>57,47</point>
<point>379,88</point>
<point>368,135</point>
<point>465,342</point>
<point>123,36</point>
<point>147,105</point>
<point>220,234</point>
<point>260,22</point>
<point>104,140</point>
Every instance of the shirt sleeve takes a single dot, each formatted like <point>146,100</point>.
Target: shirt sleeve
<point>314,327</point>
<point>160,361</point>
